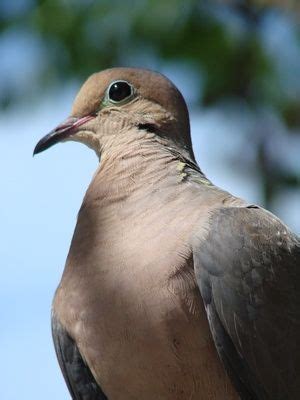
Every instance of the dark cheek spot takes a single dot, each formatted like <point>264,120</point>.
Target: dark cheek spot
<point>148,127</point>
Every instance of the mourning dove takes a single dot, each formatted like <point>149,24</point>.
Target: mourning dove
<point>169,278</point>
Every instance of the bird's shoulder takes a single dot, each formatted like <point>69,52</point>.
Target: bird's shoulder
<point>248,236</point>
<point>247,268</point>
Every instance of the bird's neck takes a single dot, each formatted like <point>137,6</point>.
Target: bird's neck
<point>137,167</point>
<point>134,168</point>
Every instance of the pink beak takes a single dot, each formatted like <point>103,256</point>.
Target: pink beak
<point>61,132</point>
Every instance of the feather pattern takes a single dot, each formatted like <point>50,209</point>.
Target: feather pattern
<point>247,268</point>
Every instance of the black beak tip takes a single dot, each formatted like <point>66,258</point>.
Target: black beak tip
<point>47,141</point>
<point>40,146</point>
<point>60,133</point>
<point>35,151</point>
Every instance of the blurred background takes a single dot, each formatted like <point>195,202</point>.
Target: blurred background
<point>237,64</point>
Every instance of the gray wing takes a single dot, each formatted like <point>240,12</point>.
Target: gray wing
<point>78,377</point>
<point>248,272</point>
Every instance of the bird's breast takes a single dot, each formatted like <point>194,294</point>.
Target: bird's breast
<point>135,311</point>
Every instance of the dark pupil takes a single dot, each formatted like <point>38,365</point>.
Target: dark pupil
<point>119,91</point>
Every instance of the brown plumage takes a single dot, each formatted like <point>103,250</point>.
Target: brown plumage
<point>156,250</point>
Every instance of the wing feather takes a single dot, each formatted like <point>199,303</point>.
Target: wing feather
<point>248,272</point>
<point>78,377</point>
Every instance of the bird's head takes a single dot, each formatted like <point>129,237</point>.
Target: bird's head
<point>116,101</point>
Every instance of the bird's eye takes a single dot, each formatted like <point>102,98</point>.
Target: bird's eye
<point>119,91</point>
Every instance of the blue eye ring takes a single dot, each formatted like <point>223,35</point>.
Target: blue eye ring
<point>119,92</point>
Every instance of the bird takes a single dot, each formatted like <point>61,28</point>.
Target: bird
<point>173,288</point>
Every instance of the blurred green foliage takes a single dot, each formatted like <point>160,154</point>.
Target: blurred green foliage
<point>85,36</point>
<point>221,40</point>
